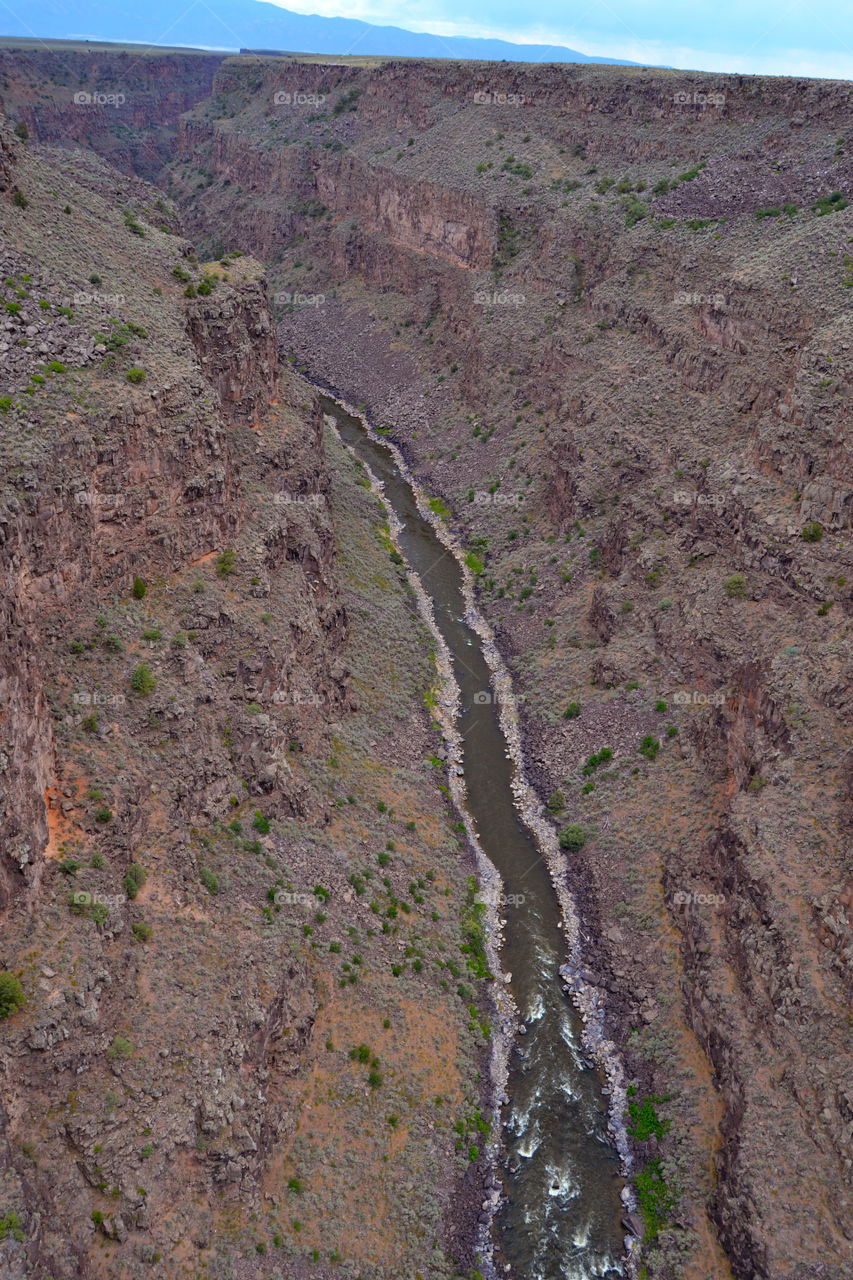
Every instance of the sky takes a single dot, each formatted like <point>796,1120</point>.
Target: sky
<point>767,37</point>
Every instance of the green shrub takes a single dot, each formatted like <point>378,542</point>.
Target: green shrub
<point>139,588</point>
<point>225,563</point>
<point>135,375</point>
<point>143,681</point>
<point>20,200</point>
<point>11,1225</point>
<point>830,204</point>
<point>556,802</point>
<point>735,587</point>
<point>656,1200</point>
<point>209,880</point>
<point>12,996</point>
<point>132,225</point>
<point>142,932</point>
<point>646,1121</point>
<point>572,711</point>
<point>104,814</point>
<point>572,837</point>
<point>120,1050</point>
<point>260,823</point>
<point>812,531</point>
<point>134,879</point>
<point>649,747</point>
<point>634,209</point>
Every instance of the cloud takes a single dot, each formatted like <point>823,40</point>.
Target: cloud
<point>764,37</point>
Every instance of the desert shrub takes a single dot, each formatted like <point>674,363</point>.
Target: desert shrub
<point>12,996</point>
<point>120,1050</point>
<point>735,587</point>
<point>134,879</point>
<point>143,681</point>
<point>812,531</point>
<point>656,1200</point>
<point>572,837</point>
<point>209,880</point>
<point>830,203</point>
<point>225,563</point>
<point>11,1225</point>
<point>646,1123</point>
<point>649,747</point>
<point>139,588</point>
<point>135,375</point>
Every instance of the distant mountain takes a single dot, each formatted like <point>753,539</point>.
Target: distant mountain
<point>237,24</point>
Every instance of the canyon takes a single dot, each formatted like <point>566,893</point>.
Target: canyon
<point>603,313</point>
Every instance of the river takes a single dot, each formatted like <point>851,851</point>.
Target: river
<point>560,1216</point>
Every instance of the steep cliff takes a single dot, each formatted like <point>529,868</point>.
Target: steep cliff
<point>604,312</point>
<point>122,103</point>
<point>223,856</point>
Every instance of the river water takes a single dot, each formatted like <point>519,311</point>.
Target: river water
<point>561,1216</point>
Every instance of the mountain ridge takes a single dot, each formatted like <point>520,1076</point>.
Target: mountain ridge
<point>251,24</point>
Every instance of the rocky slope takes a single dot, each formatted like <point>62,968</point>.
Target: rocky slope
<point>231,882</point>
<point>605,313</point>
<point>122,103</point>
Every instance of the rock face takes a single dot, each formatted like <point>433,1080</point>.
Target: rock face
<point>236,342</point>
<point>210,674</point>
<point>123,105</point>
<point>604,314</point>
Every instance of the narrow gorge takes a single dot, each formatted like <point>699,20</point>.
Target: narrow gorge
<point>425,540</point>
